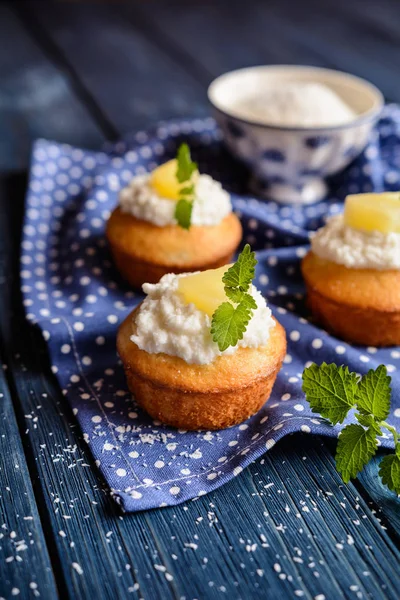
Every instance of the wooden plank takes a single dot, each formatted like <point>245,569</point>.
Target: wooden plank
<point>35,99</point>
<point>344,42</point>
<point>25,567</point>
<point>133,81</point>
<point>286,532</point>
<point>279,32</point>
<point>218,39</point>
<point>90,554</point>
<point>104,544</point>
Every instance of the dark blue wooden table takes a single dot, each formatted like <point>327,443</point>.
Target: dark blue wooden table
<point>284,528</point>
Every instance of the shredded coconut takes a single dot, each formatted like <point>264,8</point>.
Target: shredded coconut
<point>300,104</point>
<point>357,249</point>
<point>165,323</point>
<point>210,206</point>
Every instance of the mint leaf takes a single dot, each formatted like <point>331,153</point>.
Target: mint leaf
<point>373,393</point>
<point>389,471</point>
<point>184,171</point>
<point>369,421</point>
<point>241,274</point>
<point>187,191</point>
<point>186,167</point>
<point>330,390</point>
<point>183,213</point>
<point>229,324</point>
<point>356,446</point>
<point>237,296</point>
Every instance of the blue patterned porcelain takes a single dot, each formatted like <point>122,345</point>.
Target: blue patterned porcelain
<point>290,164</point>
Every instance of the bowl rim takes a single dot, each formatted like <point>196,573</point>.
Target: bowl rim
<point>369,115</point>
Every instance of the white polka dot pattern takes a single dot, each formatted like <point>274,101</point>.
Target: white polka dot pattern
<point>72,290</point>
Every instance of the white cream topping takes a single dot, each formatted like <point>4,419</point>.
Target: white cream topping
<point>296,104</point>
<point>356,249</point>
<point>165,323</point>
<point>211,203</point>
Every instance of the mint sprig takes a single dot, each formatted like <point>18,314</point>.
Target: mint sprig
<point>332,392</point>
<point>229,323</point>
<point>184,171</point>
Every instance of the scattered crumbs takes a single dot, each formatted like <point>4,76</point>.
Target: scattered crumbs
<point>77,567</point>
<point>191,545</point>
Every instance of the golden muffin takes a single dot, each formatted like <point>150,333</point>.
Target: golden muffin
<point>144,252</point>
<point>172,220</point>
<point>190,396</point>
<point>352,272</point>
<point>184,363</point>
<point>358,305</point>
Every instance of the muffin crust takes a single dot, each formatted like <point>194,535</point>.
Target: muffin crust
<point>359,305</point>
<point>213,396</point>
<point>144,252</point>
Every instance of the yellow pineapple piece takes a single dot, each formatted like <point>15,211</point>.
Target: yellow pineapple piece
<point>163,180</point>
<point>373,212</point>
<point>205,290</point>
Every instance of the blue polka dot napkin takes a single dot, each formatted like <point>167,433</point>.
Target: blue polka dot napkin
<point>72,290</point>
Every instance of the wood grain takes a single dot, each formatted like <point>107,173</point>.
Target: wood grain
<point>25,565</point>
<point>286,527</point>
<point>35,99</point>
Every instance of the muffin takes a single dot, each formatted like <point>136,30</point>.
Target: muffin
<point>176,370</point>
<point>146,237</point>
<point>352,272</point>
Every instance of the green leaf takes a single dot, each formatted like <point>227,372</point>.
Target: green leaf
<point>389,471</point>
<point>241,274</point>
<point>183,213</point>
<point>187,191</point>
<point>186,167</point>
<point>184,171</point>
<point>237,296</point>
<point>356,446</point>
<point>373,393</point>
<point>330,390</point>
<point>228,324</point>
<point>369,421</point>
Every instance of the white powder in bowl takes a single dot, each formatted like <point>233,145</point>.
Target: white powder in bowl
<point>301,104</point>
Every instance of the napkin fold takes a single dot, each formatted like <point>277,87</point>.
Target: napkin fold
<point>72,290</point>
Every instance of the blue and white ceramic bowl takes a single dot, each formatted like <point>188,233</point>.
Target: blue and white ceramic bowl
<point>289,164</point>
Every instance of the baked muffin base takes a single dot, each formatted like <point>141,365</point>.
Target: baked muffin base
<point>143,252</point>
<point>191,397</point>
<point>136,272</point>
<point>358,305</point>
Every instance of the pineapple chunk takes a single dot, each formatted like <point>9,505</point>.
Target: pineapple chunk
<point>205,290</point>
<point>373,212</point>
<point>163,180</point>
